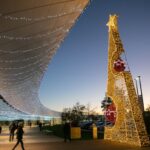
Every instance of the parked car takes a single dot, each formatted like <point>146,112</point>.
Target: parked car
<point>109,123</point>
<point>86,125</point>
<point>100,126</point>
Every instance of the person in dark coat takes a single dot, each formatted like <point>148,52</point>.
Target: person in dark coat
<point>12,129</point>
<point>19,134</point>
<point>0,129</point>
<point>30,124</point>
<point>40,126</point>
<point>67,134</point>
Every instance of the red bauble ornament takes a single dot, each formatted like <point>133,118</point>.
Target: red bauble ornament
<point>119,65</point>
<point>110,113</point>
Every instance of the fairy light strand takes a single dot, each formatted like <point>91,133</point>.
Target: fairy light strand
<point>7,37</point>
<point>21,77</point>
<point>29,19</point>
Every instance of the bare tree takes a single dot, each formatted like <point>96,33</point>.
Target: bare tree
<point>74,114</point>
<point>148,108</point>
<point>90,112</point>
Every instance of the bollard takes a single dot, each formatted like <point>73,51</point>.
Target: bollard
<point>75,133</point>
<point>94,132</point>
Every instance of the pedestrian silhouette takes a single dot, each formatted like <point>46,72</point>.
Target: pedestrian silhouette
<point>19,134</point>
<point>30,124</point>
<point>40,126</point>
<point>0,129</point>
<point>67,128</point>
<point>12,129</point>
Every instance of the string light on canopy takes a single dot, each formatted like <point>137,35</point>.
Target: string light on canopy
<point>30,35</point>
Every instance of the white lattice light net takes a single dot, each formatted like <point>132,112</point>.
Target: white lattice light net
<point>30,34</point>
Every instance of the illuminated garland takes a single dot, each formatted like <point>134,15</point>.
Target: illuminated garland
<point>29,19</point>
<point>36,36</point>
<point>31,49</point>
<point>23,67</point>
<point>22,70</point>
<point>24,51</point>
<point>29,58</point>
<point>19,79</point>
<point>19,82</point>
<point>21,73</point>
<point>7,81</point>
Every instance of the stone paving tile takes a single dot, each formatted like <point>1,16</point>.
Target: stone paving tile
<point>74,145</point>
<point>35,140</point>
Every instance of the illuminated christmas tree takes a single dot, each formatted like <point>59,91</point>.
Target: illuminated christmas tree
<point>129,125</point>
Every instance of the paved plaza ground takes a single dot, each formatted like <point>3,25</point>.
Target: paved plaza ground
<point>36,140</point>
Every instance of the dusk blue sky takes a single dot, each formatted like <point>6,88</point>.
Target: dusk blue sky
<point>78,71</point>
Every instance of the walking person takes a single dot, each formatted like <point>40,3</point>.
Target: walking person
<point>40,126</point>
<point>19,134</point>
<point>67,128</point>
<point>0,129</point>
<point>30,124</point>
<point>12,129</point>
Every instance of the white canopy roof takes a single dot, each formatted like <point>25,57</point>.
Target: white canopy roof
<point>30,33</point>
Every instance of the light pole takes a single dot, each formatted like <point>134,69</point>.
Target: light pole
<point>136,85</point>
<point>139,77</point>
<point>140,96</point>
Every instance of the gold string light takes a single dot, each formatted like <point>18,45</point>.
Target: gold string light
<point>22,69</point>
<point>36,36</point>
<point>129,126</point>
<point>29,19</point>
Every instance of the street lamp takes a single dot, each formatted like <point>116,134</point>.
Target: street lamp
<point>140,96</point>
<point>139,77</point>
<point>136,85</point>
